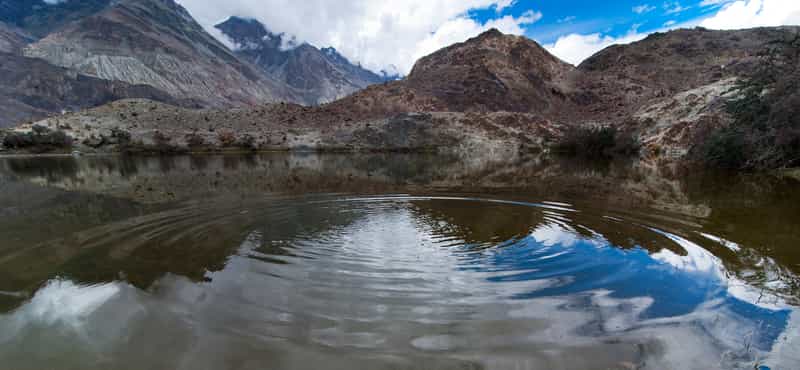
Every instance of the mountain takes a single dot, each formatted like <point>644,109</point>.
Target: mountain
<point>493,93</point>
<point>488,73</point>
<point>664,64</point>
<point>493,72</point>
<point>670,89</point>
<point>157,43</point>
<point>40,17</point>
<point>34,89</point>
<point>319,76</point>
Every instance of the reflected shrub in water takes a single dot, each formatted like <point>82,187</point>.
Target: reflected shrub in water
<point>596,141</point>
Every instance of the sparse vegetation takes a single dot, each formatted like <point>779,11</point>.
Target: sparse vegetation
<point>765,133</point>
<point>226,138</point>
<point>161,139</point>
<point>122,137</point>
<point>248,142</point>
<point>596,141</point>
<point>195,140</point>
<point>39,139</point>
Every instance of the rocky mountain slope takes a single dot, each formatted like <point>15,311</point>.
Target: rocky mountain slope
<point>91,52</point>
<point>33,89</point>
<point>506,92</point>
<point>157,43</point>
<point>491,72</point>
<point>671,87</point>
<point>665,64</point>
<point>318,76</point>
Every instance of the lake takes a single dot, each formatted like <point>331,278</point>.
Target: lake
<point>370,261</point>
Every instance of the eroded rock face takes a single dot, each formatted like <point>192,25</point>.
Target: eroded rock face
<point>33,89</point>
<point>621,79</point>
<point>668,126</point>
<point>157,43</point>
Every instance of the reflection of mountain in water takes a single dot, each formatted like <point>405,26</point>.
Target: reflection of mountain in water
<point>309,251</point>
<point>161,179</point>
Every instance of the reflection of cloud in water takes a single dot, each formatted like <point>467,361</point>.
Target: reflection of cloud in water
<point>696,260</point>
<point>701,261</point>
<point>64,303</point>
<point>391,286</point>
<point>725,243</point>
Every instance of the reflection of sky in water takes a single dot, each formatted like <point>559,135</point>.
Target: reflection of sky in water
<point>392,277</point>
<point>676,285</point>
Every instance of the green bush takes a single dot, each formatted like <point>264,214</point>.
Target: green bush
<point>39,139</point>
<point>594,141</point>
<point>195,140</point>
<point>725,148</point>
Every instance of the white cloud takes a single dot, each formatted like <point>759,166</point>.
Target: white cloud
<point>733,14</point>
<point>644,8</point>
<point>575,48</point>
<point>461,28</point>
<point>674,7</point>
<point>755,13</point>
<point>705,3</point>
<point>566,19</point>
<point>54,2</point>
<point>382,35</point>
<point>378,34</point>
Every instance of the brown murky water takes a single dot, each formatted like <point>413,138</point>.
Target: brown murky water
<point>393,262</point>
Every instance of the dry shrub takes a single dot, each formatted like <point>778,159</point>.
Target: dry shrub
<point>226,138</point>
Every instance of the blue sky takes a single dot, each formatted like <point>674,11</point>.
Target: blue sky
<point>615,18</point>
<point>392,34</point>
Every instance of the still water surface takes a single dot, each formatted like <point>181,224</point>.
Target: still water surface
<point>393,262</point>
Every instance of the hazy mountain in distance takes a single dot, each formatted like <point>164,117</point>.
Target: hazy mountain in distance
<point>319,76</point>
<point>39,18</point>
